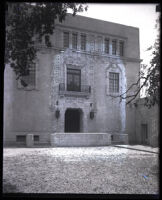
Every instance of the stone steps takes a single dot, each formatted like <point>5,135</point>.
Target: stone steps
<point>80,139</point>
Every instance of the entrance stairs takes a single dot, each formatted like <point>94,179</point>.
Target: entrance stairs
<point>80,139</point>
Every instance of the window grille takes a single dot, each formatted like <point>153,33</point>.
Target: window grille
<point>113,82</point>
<point>83,42</point>
<point>74,40</point>
<point>106,45</point>
<point>114,47</point>
<point>73,79</point>
<point>66,39</point>
<point>21,138</point>
<point>36,138</point>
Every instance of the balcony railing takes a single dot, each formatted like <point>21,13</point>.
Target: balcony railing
<point>76,91</point>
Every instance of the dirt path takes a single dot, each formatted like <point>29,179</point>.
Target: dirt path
<point>107,170</point>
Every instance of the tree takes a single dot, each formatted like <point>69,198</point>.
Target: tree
<point>24,21</point>
<point>150,79</point>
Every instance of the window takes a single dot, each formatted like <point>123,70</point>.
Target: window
<point>114,47</point>
<point>74,40</point>
<point>36,138</point>
<point>99,43</point>
<point>92,42</point>
<point>106,45</point>
<point>28,81</point>
<point>21,138</point>
<point>73,79</point>
<point>121,48</point>
<point>113,82</point>
<point>66,39</point>
<point>83,42</point>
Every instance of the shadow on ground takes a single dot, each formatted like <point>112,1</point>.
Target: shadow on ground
<point>9,188</point>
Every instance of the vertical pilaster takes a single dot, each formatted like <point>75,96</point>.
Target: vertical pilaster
<point>62,121</point>
<point>85,122</point>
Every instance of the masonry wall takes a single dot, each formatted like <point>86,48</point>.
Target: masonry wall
<point>149,117</point>
<point>33,111</point>
<point>108,111</point>
<point>132,74</point>
<point>27,111</point>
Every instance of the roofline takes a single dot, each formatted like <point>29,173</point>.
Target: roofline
<point>94,32</point>
<point>103,21</point>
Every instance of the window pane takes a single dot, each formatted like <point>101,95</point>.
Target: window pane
<point>99,43</point>
<point>73,79</point>
<point>121,48</point>
<point>36,138</point>
<point>113,82</point>
<point>20,138</point>
<point>83,42</point>
<point>74,41</point>
<point>69,79</point>
<point>106,45</point>
<point>114,47</point>
<point>66,39</point>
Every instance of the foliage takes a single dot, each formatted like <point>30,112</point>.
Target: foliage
<point>153,90</point>
<point>150,80</point>
<point>26,20</point>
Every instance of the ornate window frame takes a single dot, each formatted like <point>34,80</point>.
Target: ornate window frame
<point>114,68</point>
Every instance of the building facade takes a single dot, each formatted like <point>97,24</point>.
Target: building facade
<point>71,88</point>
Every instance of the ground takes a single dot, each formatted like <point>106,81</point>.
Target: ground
<point>103,170</point>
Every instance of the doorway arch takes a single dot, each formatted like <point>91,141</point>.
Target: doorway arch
<point>73,120</point>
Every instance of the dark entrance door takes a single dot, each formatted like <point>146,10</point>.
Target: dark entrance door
<point>72,121</point>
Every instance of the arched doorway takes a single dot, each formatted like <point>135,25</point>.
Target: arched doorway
<point>73,120</point>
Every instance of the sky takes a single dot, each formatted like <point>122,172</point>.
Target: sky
<point>142,16</point>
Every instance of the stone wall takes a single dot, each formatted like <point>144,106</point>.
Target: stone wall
<point>33,111</point>
<point>150,118</point>
<point>110,113</point>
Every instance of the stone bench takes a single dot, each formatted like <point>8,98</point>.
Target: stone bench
<point>80,139</point>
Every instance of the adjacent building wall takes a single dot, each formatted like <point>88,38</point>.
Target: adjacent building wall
<point>150,118</point>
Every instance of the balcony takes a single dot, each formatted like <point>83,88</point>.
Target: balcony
<point>82,91</point>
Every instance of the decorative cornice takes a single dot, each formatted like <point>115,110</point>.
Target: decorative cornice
<point>92,53</point>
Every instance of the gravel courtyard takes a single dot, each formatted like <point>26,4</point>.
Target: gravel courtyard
<point>103,170</point>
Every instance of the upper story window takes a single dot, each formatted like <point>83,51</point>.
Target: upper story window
<point>113,47</point>
<point>73,79</point>
<point>106,45</point>
<point>113,82</point>
<point>74,40</point>
<point>66,39</point>
<point>121,48</point>
<point>28,81</point>
<point>83,42</point>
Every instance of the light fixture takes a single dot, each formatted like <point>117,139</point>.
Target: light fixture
<point>91,114</point>
<point>57,112</point>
